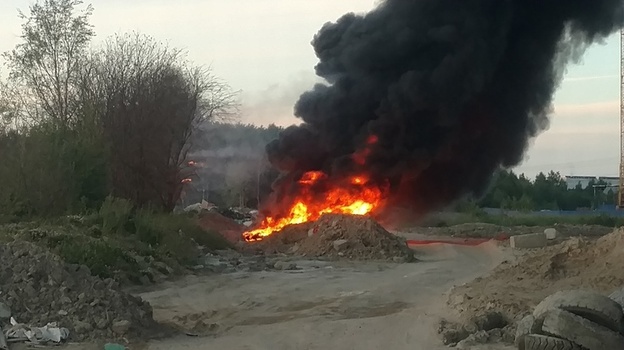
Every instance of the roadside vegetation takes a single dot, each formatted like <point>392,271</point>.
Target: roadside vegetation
<point>121,242</point>
<point>94,144</point>
<point>100,142</point>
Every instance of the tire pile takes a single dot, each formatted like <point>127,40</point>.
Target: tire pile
<point>573,320</point>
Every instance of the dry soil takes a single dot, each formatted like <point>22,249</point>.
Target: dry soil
<point>323,305</point>
<point>518,285</point>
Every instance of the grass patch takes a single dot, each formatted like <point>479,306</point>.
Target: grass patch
<point>116,215</point>
<point>103,258</point>
<point>177,236</point>
<point>120,242</point>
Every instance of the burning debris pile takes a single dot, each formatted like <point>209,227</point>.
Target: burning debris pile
<point>38,288</point>
<point>423,100</point>
<point>355,196</point>
<point>337,236</point>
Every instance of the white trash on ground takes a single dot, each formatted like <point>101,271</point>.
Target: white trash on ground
<point>37,335</point>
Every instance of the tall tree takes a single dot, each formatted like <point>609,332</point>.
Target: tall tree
<point>44,67</point>
<point>153,101</point>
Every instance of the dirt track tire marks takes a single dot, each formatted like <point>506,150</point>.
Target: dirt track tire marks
<point>592,306</point>
<point>544,342</point>
<point>592,336</point>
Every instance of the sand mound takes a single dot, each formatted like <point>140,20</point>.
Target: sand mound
<point>514,289</point>
<point>339,236</point>
<point>39,287</point>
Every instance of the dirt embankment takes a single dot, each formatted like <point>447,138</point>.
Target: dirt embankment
<point>228,228</point>
<point>515,288</point>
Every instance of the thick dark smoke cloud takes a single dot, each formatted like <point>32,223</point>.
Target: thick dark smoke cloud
<point>453,90</point>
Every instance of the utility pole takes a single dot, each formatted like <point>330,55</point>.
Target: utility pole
<point>620,202</point>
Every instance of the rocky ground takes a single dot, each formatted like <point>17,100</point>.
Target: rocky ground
<point>38,288</point>
<point>315,285</point>
<point>518,284</point>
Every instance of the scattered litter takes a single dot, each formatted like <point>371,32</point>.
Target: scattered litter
<point>36,335</point>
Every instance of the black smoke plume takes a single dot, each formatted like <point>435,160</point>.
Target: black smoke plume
<point>452,89</point>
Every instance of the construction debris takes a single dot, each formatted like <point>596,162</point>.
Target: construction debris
<point>574,319</point>
<point>529,241</point>
<point>51,332</point>
<point>354,237</point>
<point>336,236</point>
<point>40,289</point>
<point>515,288</point>
<point>551,233</point>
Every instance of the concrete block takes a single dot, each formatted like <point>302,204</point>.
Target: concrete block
<point>550,233</point>
<point>532,240</point>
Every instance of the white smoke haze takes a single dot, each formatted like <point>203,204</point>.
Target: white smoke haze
<point>231,162</point>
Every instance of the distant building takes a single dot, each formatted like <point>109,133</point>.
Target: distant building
<point>573,181</point>
<point>613,181</point>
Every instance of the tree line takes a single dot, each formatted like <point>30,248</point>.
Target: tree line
<point>132,118</point>
<point>545,192</point>
<point>233,172</point>
<point>79,122</point>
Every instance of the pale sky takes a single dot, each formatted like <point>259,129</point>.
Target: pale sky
<point>262,47</point>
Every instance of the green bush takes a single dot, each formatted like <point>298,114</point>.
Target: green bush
<point>174,235</point>
<point>116,215</point>
<point>101,257</point>
<point>151,228</point>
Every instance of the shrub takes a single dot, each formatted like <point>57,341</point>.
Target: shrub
<point>116,215</point>
<point>174,235</point>
<point>101,257</point>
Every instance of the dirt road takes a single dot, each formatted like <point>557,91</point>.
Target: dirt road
<point>323,305</point>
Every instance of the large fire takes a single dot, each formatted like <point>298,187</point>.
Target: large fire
<point>356,196</point>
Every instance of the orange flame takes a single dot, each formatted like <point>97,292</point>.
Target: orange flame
<point>356,197</point>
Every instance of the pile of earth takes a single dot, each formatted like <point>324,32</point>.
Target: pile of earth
<point>227,227</point>
<point>337,236</point>
<point>38,288</point>
<point>515,288</point>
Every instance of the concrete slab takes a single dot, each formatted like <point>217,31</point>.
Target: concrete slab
<point>532,240</point>
<point>550,233</point>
